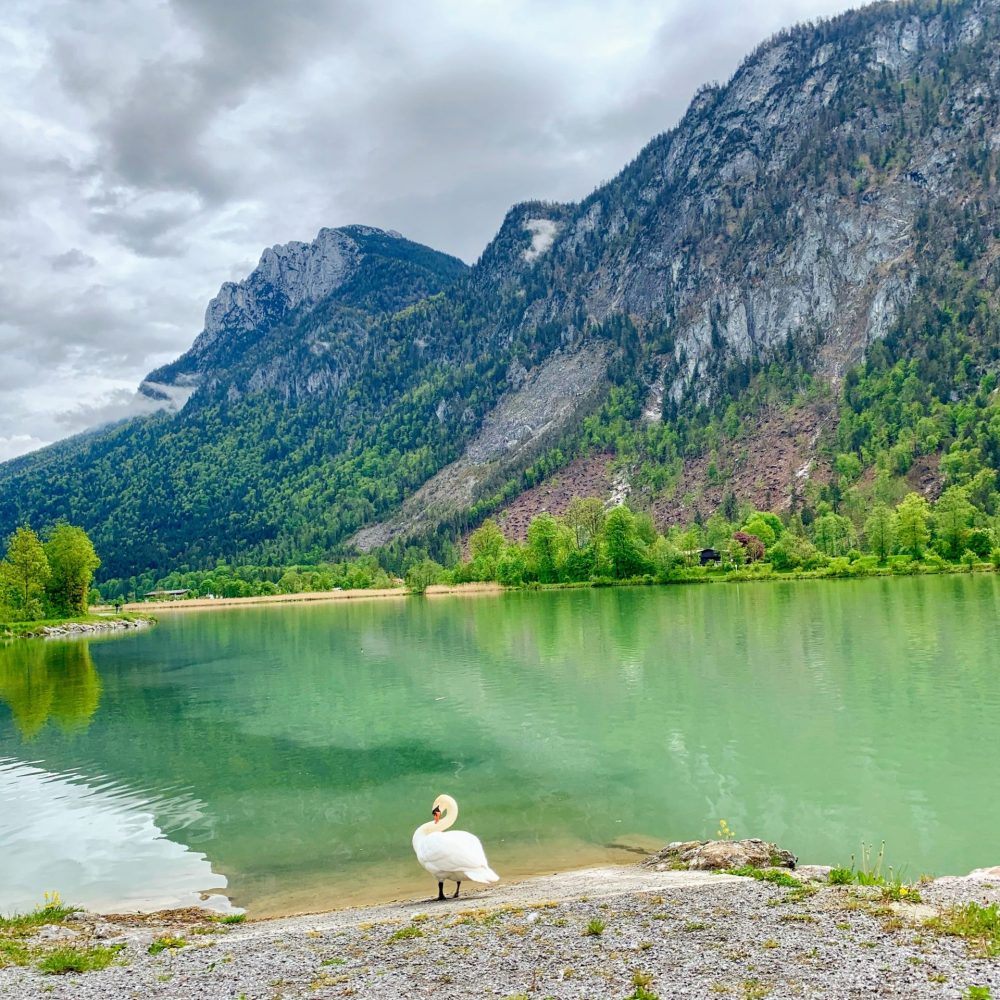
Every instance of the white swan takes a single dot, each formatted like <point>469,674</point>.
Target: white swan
<point>454,855</point>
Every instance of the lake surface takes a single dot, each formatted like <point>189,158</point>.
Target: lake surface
<point>281,756</point>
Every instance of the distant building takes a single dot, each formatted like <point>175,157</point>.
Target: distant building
<point>166,595</point>
<point>709,556</point>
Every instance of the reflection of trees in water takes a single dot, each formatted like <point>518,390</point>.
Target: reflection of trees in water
<point>49,680</point>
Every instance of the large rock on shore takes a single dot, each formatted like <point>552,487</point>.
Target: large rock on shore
<point>717,855</point>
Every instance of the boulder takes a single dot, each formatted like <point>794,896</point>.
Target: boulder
<point>55,932</point>
<point>717,855</point>
<point>814,873</point>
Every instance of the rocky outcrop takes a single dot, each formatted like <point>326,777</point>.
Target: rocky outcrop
<point>287,276</point>
<point>719,855</point>
<point>290,280</point>
<point>70,629</point>
<point>546,401</point>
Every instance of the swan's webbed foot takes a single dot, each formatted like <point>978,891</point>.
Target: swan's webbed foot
<point>458,885</point>
<point>441,890</point>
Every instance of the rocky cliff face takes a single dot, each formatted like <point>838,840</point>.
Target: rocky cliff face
<point>784,207</point>
<point>244,345</point>
<point>784,217</point>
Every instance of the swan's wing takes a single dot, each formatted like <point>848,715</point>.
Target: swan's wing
<point>451,851</point>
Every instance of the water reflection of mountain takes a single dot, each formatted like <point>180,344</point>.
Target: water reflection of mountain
<point>44,682</point>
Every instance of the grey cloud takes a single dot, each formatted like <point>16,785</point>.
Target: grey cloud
<point>147,232</point>
<point>153,140</point>
<point>258,38</point>
<point>71,259</point>
<point>157,135</point>
<point>91,327</point>
<point>118,404</point>
<point>167,141</point>
<point>16,376</point>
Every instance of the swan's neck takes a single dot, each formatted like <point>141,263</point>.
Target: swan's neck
<point>450,813</point>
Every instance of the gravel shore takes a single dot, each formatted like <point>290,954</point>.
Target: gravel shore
<point>686,935</point>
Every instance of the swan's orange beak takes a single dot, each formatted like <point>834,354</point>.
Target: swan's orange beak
<point>436,813</point>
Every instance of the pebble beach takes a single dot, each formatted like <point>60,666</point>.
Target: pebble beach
<point>597,934</point>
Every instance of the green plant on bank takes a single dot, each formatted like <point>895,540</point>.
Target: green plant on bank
<point>13,952</point>
<point>977,993</point>
<point>640,980</point>
<point>166,942</point>
<point>14,929</point>
<point>232,918</point>
<point>869,870</point>
<point>869,873</point>
<point>777,876</point>
<point>51,910</point>
<point>60,961</point>
<point>405,933</point>
<point>979,925</point>
<point>595,927</point>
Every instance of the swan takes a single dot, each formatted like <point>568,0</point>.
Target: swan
<point>450,854</point>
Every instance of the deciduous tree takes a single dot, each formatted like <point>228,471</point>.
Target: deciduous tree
<point>72,561</point>
<point>912,514</point>
<point>624,549</point>
<point>585,516</point>
<point>952,514</point>
<point>24,573</point>
<point>880,531</point>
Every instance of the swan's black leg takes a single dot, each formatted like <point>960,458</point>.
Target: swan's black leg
<point>440,890</point>
<point>458,885</point>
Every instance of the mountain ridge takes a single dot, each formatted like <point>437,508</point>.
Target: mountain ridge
<point>837,195</point>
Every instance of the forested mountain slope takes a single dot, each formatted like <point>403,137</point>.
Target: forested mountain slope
<point>821,231</point>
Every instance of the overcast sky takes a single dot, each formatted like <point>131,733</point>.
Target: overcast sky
<point>149,150</point>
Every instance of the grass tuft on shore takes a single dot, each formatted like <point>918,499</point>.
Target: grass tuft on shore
<point>52,911</point>
<point>18,926</point>
<point>979,925</point>
<point>63,960</point>
<point>777,876</point>
<point>405,933</point>
<point>166,942</point>
<point>869,873</point>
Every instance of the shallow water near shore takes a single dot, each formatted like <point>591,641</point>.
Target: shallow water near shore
<point>281,756</point>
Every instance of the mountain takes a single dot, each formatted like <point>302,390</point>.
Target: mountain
<point>254,340</point>
<point>795,284</point>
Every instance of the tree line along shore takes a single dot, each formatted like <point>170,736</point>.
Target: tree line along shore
<point>50,579</point>
<point>592,545</point>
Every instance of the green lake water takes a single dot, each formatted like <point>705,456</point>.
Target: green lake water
<point>281,756</point>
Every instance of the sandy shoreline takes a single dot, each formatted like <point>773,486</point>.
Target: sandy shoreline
<point>203,603</point>
<point>572,936</point>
